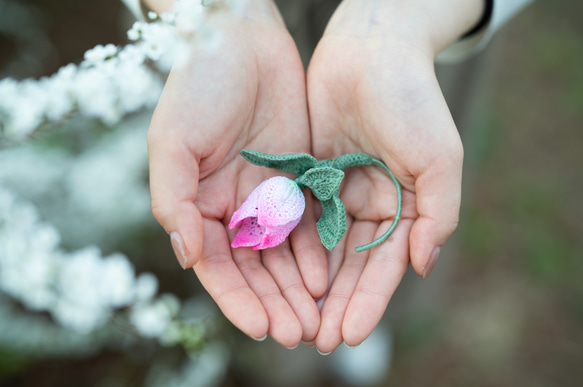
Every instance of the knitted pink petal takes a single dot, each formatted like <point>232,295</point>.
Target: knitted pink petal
<point>250,234</point>
<point>281,201</point>
<point>249,208</point>
<point>275,236</point>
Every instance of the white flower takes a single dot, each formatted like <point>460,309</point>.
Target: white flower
<point>81,290</point>
<point>132,54</point>
<point>67,73</point>
<point>167,17</point>
<point>161,44</point>
<point>151,320</point>
<point>93,91</point>
<point>172,303</point>
<point>61,102</point>
<point>118,281</point>
<point>89,193</point>
<point>136,86</point>
<point>36,277</point>
<point>99,54</point>
<point>189,15</point>
<point>82,319</point>
<point>90,288</point>
<point>135,32</point>
<point>111,81</point>
<point>23,106</point>
<point>26,254</point>
<point>146,287</point>
<point>82,305</point>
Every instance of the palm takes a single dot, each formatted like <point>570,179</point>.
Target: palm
<point>248,94</point>
<point>370,100</point>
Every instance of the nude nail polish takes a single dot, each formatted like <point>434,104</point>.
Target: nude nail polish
<point>431,262</point>
<point>323,353</point>
<point>179,249</point>
<point>259,339</point>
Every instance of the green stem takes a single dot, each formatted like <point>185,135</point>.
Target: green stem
<point>361,160</point>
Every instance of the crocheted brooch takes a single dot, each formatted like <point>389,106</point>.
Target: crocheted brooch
<point>276,206</point>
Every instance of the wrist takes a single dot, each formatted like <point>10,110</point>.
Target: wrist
<point>428,25</point>
<point>253,10</point>
<point>449,20</point>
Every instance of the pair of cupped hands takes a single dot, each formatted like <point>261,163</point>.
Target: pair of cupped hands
<point>370,87</point>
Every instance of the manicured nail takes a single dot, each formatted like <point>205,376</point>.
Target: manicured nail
<point>294,347</point>
<point>323,353</point>
<point>259,339</point>
<point>431,262</point>
<point>179,249</point>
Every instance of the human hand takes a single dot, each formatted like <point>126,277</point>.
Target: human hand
<point>372,89</point>
<point>246,91</point>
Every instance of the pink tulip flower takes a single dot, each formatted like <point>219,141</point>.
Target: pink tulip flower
<point>269,214</point>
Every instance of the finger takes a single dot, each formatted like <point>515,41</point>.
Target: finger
<point>284,326</point>
<point>173,186</point>
<point>384,270</point>
<point>335,259</point>
<point>219,275</point>
<point>438,202</point>
<point>280,263</point>
<point>309,252</point>
<point>334,308</point>
<point>371,194</point>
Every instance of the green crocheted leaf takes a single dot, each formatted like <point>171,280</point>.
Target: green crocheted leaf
<point>350,160</point>
<point>324,182</point>
<point>332,223</point>
<point>324,163</point>
<point>296,163</point>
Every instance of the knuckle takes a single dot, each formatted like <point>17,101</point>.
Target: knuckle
<point>158,211</point>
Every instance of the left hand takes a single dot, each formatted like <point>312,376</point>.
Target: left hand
<point>372,89</point>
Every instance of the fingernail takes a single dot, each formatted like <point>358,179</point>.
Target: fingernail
<point>294,347</point>
<point>310,343</point>
<point>431,262</point>
<point>323,353</point>
<point>259,339</point>
<point>179,249</point>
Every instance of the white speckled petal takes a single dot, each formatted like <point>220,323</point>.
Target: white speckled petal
<point>281,201</point>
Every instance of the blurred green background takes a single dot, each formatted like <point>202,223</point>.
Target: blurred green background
<point>511,313</point>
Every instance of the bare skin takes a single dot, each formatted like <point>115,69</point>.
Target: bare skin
<point>370,88</point>
<point>249,93</point>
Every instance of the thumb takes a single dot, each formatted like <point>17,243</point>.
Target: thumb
<point>438,191</point>
<point>174,176</point>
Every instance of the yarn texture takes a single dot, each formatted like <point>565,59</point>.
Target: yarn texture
<point>275,207</point>
<point>269,214</point>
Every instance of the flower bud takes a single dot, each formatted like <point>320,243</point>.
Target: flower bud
<point>269,214</point>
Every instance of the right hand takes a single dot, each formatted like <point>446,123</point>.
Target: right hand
<point>247,91</point>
